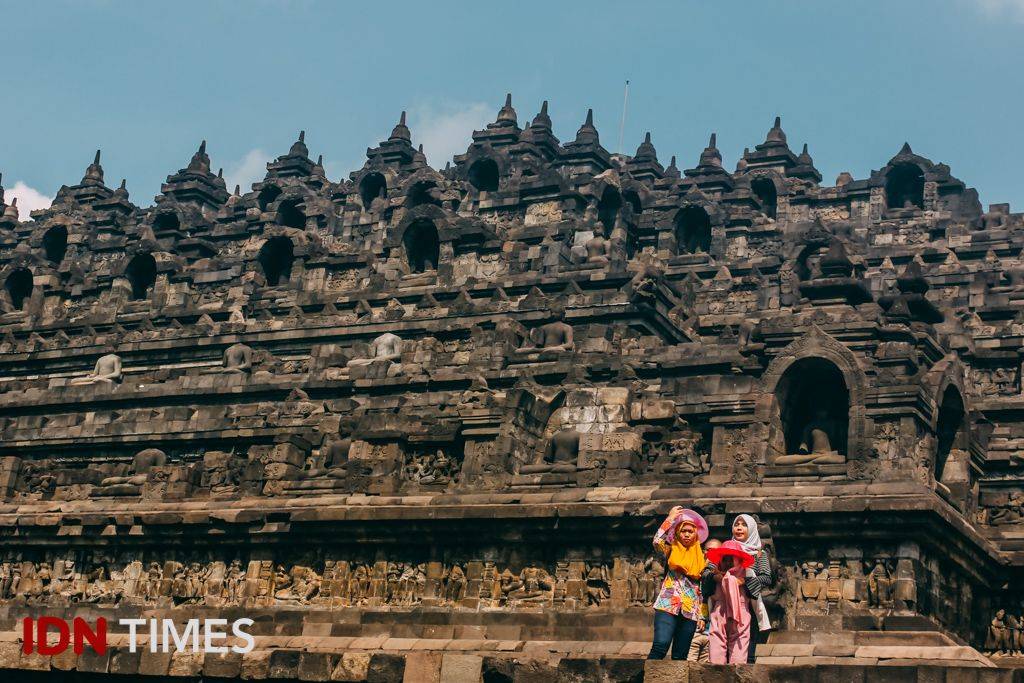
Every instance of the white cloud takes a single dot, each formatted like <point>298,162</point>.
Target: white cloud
<point>29,199</point>
<point>447,130</point>
<point>245,171</point>
<point>1000,8</point>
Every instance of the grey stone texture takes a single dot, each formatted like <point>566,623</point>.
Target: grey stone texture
<point>442,412</point>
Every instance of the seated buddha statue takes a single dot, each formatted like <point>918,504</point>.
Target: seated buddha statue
<point>815,443</point>
<point>106,371</point>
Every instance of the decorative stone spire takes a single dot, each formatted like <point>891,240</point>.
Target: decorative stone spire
<point>646,151</point>
<point>1,189</point>
<point>298,148</point>
<point>805,157</point>
<point>318,167</point>
<point>200,162</point>
<point>542,120</point>
<point>122,191</point>
<point>587,134</point>
<point>905,149</point>
<point>711,156</point>
<point>804,168</point>
<point>507,115</point>
<point>401,131</point>
<point>94,173</point>
<point>672,171</point>
<point>419,156</point>
<point>11,211</point>
<point>776,134</point>
<point>741,165</point>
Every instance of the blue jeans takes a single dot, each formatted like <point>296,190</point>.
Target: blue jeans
<point>671,629</point>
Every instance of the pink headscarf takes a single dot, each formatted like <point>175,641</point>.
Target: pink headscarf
<point>730,594</point>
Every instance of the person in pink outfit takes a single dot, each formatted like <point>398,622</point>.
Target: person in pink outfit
<point>730,608</point>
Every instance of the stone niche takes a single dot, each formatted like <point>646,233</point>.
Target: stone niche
<point>812,409</point>
<point>586,436</point>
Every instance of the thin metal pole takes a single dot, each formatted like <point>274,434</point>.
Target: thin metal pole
<point>622,123</point>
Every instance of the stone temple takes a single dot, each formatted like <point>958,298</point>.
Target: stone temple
<point>427,421</point>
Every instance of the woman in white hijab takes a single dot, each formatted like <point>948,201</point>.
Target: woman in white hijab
<point>759,576</point>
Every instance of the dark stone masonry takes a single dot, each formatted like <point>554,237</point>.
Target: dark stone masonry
<point>422,424</point>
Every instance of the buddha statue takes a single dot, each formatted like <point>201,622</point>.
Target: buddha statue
<point>560,455</point>
<point>144,461</point>
<point>532,585</point>
<point>815,443</point>
<point>237,359</point>
<point>106,371</point>
<point>991,220</point>
<point>335,454</point>
<point>380,202</point>
<point>554,336</point>
<point>387,347</point>
<point>597,249</point>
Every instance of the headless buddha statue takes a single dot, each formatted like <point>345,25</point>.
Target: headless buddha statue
<point>106,371</point>
<point>560,455</point>
<point>815,443</point>
<point>386,347</point>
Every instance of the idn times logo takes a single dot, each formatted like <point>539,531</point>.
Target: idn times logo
<point>163,635</point>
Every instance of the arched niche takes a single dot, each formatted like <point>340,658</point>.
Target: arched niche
<point>693,230</point>
<point>814,371</point>
<point>808,261</point>
<point>166,222</point>
<point>55,244</point>
<point>141,273</point>
<point>764,189</point>
<point>371,187</point>
<point>950,436</point>
<point>422,192</point>
<point>484,175</point>
<point>275,258</point>
<point>19,287</point>
<point>290,215</point>
<point>422,245</point>
<point>267,196</point>
<point>814,412</point>
<point>904,187</point>
<point>608,208</point>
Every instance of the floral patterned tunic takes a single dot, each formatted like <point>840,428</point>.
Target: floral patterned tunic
<point>679,593</point>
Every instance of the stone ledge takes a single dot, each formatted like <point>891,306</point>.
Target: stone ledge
<point>475,667</point>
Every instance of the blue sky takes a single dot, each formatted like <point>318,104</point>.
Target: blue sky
<point>145,81</point>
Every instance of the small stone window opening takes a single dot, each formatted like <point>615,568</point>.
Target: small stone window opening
<point>483,175</point>
<point>19,287</point>
<point>904,187</point>
<point>608,208</point>
<point>423,192</point>
<point>764,190</point>
<point>141,273</point>
<point>166,222</point>
<point>949,430</point>
<point>290,215</point>
<point>422,246</point>
<point>276,257</point>
<point>370,188</point>
<point>55,244</point>
<point>267,196</point>
<point>693,231</point>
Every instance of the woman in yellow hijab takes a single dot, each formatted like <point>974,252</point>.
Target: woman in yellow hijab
<point>679,606</point>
